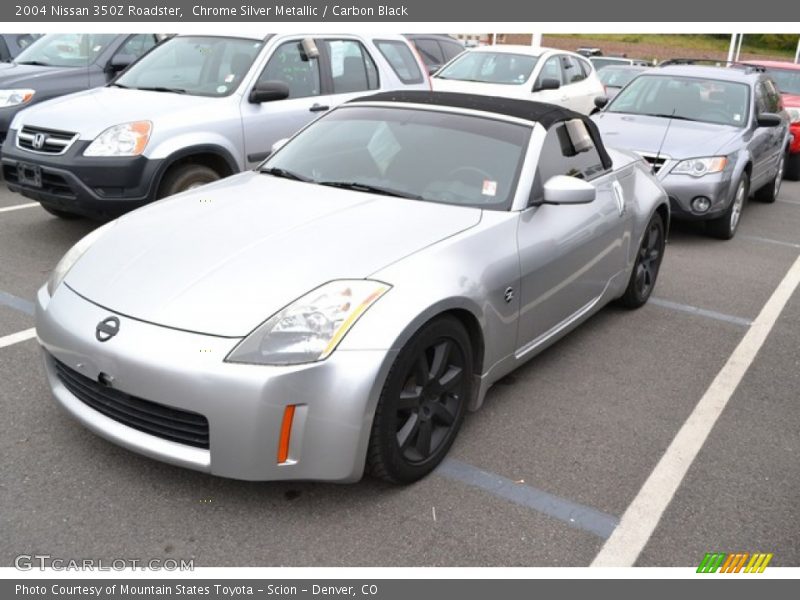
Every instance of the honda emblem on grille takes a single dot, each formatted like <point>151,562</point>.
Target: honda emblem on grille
<point>106,329</point>
<point>38,141</point>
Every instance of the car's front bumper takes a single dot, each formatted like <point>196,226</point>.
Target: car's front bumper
<point>682,189</point>
<point>95,187</point>
<point>244,404</point>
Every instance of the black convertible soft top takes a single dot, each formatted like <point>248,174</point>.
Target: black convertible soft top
<point>545,114</point>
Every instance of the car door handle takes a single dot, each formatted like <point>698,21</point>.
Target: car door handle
<point>319,108</point>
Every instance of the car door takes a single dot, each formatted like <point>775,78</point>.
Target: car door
<point>267,122</point>
<point>569,254</point>
<point>550,69</point>
<point>762,143</point>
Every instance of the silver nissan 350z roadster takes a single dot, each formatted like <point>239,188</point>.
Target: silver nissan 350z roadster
<point>340,308</point>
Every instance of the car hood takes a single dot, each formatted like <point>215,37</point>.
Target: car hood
<point>12,74</point>
<point>685,139</point>
<point>476,87</point>
<point>93,111</point>
<point>221,259</point>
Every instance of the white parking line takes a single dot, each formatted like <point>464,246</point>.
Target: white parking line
<point>18,207</point>
<point>15,338</point>
<point>642,516</point>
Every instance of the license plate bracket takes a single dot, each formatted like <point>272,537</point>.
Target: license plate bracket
<point>30,175</point>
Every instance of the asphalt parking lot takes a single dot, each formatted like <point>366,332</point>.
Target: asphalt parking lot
<point>541,476</point>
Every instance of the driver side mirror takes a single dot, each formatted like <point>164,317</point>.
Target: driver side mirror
<point>548,83</point>
<point>600,102</point>
<point>120,62</point>
<point>562,189</point>
<point>768,120</point>
<point>268,91</point>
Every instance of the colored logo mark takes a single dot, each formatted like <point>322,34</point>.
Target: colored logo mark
<point>734,563</point>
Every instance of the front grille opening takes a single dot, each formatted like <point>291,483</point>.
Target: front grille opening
<point>176,425</point>
<point>45,141</point>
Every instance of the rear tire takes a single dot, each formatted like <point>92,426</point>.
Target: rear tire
<point>792,170</point>
<point>725,226</point>
<point>422,404</point>
<point>648,262</point>
<point>186,177</point>
<point>769,193</point>
<point>61,214</point>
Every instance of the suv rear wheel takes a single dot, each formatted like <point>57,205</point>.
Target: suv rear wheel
<point>769,193</point>
<point>186,177</point>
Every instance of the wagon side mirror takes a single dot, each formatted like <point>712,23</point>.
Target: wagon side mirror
<point>548,83</point>
<point>563,189</point>
<point>600,102</point>
<point>267,91</point>
<point>768,120</point>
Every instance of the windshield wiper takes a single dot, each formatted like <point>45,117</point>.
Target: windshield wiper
<point>162,89</point>
<point>278,172</point>
<point>665,116</point>
<point>35,63</point>
<point>372,189</point>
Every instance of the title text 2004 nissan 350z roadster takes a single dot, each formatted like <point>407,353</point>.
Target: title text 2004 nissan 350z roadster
<point>345,304</point>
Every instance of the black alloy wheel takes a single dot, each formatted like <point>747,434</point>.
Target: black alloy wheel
<point>648,262</point>
<point>423,403</point>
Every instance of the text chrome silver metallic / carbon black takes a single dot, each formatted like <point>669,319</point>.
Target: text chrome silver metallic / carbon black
<point>342,306</point>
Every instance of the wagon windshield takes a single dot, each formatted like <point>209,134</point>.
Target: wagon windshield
<point>65,49</point>
<point>193,65</point>
<point>490,67</point>
<point>418,154</point>
<point>685,98</point>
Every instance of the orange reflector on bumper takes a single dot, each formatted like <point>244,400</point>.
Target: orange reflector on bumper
<point>286,434</point>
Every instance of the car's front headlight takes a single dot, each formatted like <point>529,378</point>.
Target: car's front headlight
<point>697,167</point>
<point>72,256</point>
<point>128,139</point>
<point>311,327</point>
<point>794,114</point>
<point>15,97</point>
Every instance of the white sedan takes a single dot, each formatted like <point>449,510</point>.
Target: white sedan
<point>526,72</point>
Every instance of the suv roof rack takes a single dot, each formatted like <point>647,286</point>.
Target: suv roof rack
<point>749,68</point>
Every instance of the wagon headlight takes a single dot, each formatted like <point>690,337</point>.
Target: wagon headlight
<point>15,97</point>
<point>72,256</point>
<point>311,327</point>
<point>697,167</point>
<point>128,139</point>
<point>794,114</point>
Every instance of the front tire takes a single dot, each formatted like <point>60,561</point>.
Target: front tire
<point>725,226</point>
<point>422,404</point>
<point>648,262</point>
<point>186,177</point>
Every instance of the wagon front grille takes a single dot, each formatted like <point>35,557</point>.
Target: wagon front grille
<point>169,423</point>
<point>44,141</point>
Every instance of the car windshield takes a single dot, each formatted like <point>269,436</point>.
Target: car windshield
<point>600,63</point>
<point>617,77</point>
<point>685,98</point>
<point>65,49</point>
<point>788,80</point>
<point>427,155</point>
<point>194,65</point>
<point>490,67</point>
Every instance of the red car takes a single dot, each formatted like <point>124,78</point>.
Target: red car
<point>787,76</point>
